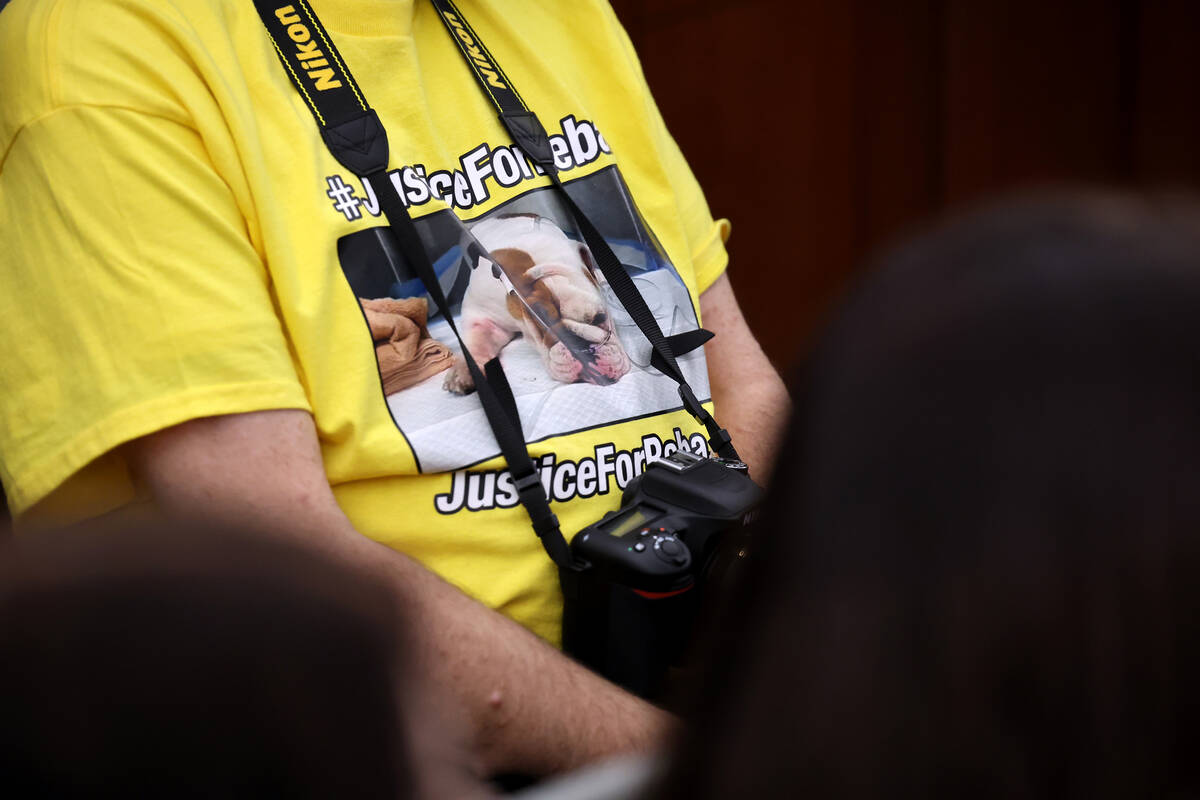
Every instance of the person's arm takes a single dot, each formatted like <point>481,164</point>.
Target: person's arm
<point>750,399</point>
<point>530,708</point>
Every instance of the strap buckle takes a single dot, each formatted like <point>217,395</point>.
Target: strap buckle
<point>720,440</point>
<point>527,132</point>
<point>526,482</point>
<point>533,497</point>
<point>359,143</point>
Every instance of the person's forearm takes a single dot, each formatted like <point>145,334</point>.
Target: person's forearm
<point>750,399</point>
<point>755,411</point>
<point>528,707</point>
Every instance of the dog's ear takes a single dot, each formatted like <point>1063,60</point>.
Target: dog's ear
<point>585,256</point>
<point>515,264</point>
<point>515,308</point>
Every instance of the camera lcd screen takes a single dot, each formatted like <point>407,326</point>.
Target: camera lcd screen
<point>625,522</point>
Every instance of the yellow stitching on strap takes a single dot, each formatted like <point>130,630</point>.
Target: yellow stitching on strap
<point>491,58</point>
<point>463,47</point>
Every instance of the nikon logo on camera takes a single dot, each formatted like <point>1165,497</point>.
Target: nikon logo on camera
<point>313,61</point>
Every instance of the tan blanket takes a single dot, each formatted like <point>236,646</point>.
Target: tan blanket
<point>407,354</point>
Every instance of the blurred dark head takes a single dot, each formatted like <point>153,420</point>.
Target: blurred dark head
<point>979,573</point>
<point>194,663</point>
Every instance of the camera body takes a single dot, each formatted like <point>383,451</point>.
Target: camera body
<point>630,607</point>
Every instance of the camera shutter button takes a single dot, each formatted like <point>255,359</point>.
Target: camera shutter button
<point>671,550</point>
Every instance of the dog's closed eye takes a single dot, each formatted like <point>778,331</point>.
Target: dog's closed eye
<point>592,334</point>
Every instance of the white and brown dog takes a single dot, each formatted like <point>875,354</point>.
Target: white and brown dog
<point>558,300</point>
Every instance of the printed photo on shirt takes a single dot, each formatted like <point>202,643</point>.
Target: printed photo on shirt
<point>521,286</point>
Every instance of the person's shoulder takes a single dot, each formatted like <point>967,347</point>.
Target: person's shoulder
<point>56,54</point>
<point>585,32</point>
<point>579,20</point>
<point>24,25</point>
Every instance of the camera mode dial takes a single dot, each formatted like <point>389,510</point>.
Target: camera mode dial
<point>669,549</point>
<point>665,545</point>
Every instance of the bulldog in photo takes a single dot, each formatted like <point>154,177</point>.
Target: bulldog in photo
<point>547,293</point>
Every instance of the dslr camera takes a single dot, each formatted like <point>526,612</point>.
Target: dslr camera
<point>630,605</point>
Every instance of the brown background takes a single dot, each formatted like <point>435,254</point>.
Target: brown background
<point>826,128</point>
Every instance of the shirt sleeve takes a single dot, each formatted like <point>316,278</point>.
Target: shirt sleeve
<point>133,300</point>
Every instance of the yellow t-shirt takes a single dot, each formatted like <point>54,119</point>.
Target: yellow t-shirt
<point>178,243</point>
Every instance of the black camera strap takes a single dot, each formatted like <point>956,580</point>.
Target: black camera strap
<point>356,138</point>
<point>529,135</point>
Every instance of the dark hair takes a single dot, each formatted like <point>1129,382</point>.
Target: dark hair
<point>181,662</point>
<point>979,569</point>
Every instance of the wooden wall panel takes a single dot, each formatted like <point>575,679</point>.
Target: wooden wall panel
<point>759,97</point>
<point>898,151</point>
<point>815,126</point>
<point>1033,93</point>
<point>826,130</point>
<point>1166,146</point>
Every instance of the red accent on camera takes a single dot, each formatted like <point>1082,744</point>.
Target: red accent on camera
<point>663,595</point>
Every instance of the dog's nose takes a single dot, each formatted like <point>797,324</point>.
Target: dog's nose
<point>600,318</point>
